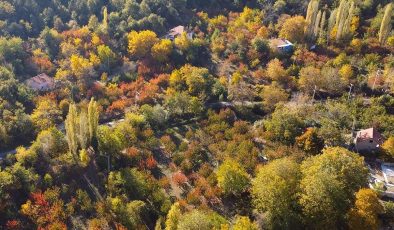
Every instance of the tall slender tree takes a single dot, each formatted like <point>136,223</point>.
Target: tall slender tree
<point>312,19</point>
<point>71,125</point>
<point>385,26</point>
<point>93,118</point>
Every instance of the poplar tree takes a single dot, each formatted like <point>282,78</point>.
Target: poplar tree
<point>71,125</point>
<point>93,118</point>
<point>83,129</point>
<point>322,32</point>
<point>312,19</point>
<point>343,18</point>
<point>385,26</point>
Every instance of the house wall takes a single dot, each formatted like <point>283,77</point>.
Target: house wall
<point>366,146</point>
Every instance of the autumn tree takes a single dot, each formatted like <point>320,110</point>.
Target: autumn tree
<point>276,72</point>
<point>364,214</point>
<point>198,219</point>
<point>388,147</point>
<point>275,191</point>
<point>310,141</point>
<point>106,55</point>
<point>244,223</point>
<point>46,114</point>
<point>385,26</point>
<point>71,126</point>
<point>173,217</point>
<point>293,29</point>
<point>272,95</point>
<point>141,43</point>
<point>232,178</point>
<point>162,50</point>
<point>329,183</point>
<point>46,210</point>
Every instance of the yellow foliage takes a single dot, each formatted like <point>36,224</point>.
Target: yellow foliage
<point>365,213</point>
<point>94,59</point>
<point>183,42</point>
<point>354,24</point>
<point>80,65</point>
<point>141,43</point>
<point>293,29</point>
<point>162,50</point>
<point>96,40</point>
<point>346,72</point>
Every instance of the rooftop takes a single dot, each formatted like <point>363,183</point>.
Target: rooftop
<point>367,134</point>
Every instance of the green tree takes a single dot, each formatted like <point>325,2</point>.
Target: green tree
<point>197,220</point>
<point>232,178</point>
<point>244,223</point>
<point>275,193</point>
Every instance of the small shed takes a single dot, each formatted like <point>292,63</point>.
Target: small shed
<point>368,140</point>
<point>41,82</point>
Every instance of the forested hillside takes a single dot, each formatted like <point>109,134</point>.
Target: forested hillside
<point>196,114</point>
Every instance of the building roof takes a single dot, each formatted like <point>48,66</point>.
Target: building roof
<point>280,42</point>
<point>176,31</point>
<point>367,134</point>
<point>41,82</point>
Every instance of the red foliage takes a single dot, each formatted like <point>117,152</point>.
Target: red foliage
<point>162,80</point>
<point>179,178</point>
<point>13,225</point>
<point>118,106</point>
<point>151,163</point>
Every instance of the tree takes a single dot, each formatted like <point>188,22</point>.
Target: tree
<point>310,141</point>
<point>272,95</point>
<point>162,50</point>
<point>197,220</point>
<point>47,114</point>
<point>388,147</point>
<point>244,223</point>
<point>275,193</point>
<point>71,126</point>
<point>232,178</point>
<point>293,29</point>
<point>312,19</point>
<point>283,126</point>
<point>329,183</point>
<point>276,72</point>
<point>365,213</point>
<point>141,43</point>
<point>343,16</point>
<point>385,26</point>
<point>106,55</point>
<point>46,210</point>
<point>173,217</point>
<point>93,119</point>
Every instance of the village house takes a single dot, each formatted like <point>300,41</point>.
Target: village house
<point>281,45</point>
<point>178,31</point>
<point>41,82</point>
<point>368,140</point>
